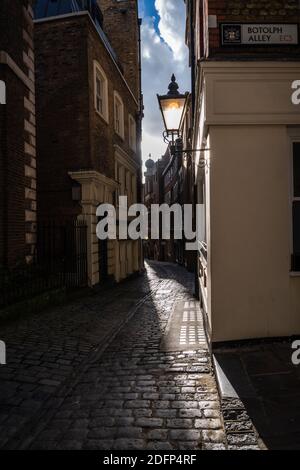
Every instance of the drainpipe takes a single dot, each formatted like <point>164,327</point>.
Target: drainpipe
<point>192,52</point>
<point>194,191</point>
<point>140,195</point>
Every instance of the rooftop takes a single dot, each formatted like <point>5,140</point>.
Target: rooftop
<point>48,8</point>
<point>51,8</point>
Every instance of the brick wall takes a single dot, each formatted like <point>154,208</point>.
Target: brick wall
<point>17,135</point>
<point>11,29</point>
<point>103,136</point>
<point>29,133</point>
<point>3,223</point>
<point>71,135</point>
<point>62,112</point>
<point>253,11</point>
<point>121,26</point>
<point>12,210</point>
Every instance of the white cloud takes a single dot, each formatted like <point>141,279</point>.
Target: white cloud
<point>172,25</point>
<point>161,57</point>
<point>154,145</point>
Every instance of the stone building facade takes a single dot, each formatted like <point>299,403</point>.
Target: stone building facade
<point>17,135</point>
<point>244,57</point>
<point>89,120</point>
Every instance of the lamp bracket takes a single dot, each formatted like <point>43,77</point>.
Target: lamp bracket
<point>174,136</point>
<point>187,153</point>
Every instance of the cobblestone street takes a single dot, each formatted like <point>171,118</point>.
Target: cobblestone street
<point>63,388</point>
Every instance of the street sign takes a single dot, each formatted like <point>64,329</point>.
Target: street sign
<point>259,34</point>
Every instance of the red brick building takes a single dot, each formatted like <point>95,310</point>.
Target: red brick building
<point>170,181</point>
<point>89,119</point>
<point>177,180</point>
<point>154,194</point>
<point>17,135</point>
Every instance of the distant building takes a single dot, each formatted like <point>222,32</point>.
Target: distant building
<point>17,135</point>
<point>89,120</point>
<point>154,194</point>
<point>244,60</point>
<point>187,187</point>
<point>178,189</point>
<point>170,181</point>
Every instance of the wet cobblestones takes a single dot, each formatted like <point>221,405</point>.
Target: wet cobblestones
<point>63,392</point>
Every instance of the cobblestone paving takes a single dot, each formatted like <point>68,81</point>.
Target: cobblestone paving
<point>61,391</point>
<point>240,431</point>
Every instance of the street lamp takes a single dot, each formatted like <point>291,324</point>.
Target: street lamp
<point>173,106</point>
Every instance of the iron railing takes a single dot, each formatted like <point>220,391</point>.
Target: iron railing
<point>60,262</point>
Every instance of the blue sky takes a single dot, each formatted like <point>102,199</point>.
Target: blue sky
<point>163,53</point>
<point>147,9</point>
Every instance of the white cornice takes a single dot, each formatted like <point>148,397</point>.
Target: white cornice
<point>90,176</point>
<point>251,66</point>
<point>125,159</point>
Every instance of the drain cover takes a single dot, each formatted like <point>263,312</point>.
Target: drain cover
<point>185,329</point>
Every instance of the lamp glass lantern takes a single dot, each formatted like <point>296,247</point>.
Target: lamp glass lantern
<point>172,106</point>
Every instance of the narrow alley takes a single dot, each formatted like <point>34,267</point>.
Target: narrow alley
<point>64,388</point>
<point>149,228</point>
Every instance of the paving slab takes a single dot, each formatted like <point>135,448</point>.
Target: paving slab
<point>185,329</point>
<point>260,380</point>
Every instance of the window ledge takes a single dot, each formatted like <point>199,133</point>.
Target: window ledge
<point>120,135</point>
<point>105,119</point>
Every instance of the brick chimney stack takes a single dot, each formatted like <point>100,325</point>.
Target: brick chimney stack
<point>121,25</point>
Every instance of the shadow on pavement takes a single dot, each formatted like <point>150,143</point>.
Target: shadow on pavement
<point>268,384</point>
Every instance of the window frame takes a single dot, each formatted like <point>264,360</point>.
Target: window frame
<point>121,131</point>
<point>132,139</point>
<point>98,70</point>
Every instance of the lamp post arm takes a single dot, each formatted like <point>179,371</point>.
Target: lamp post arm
<point>203,163</point>
<point>192,150</point>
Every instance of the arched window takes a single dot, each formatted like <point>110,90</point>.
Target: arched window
<point>101,91</point>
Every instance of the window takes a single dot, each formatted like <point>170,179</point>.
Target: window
<point>101,91</point>
<point>296,207</point>
<point>119,115</point>
<point>132,133</point>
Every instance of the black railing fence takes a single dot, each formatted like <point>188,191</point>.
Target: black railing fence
<point>60,261</point>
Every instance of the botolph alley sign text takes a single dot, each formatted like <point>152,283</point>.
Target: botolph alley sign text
<point>259,34</point>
